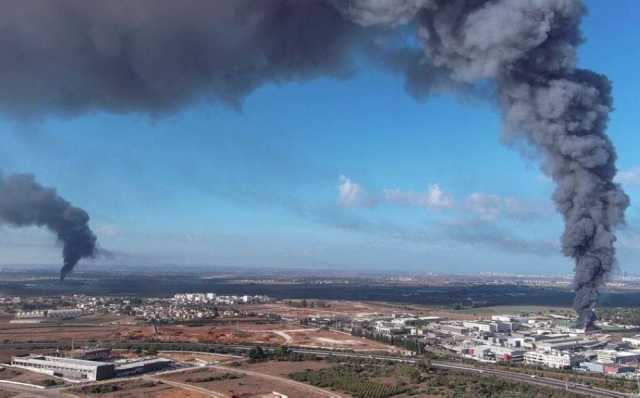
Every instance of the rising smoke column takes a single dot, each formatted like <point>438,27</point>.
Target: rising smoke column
<point>24,202</point>
<point>528,47</point>
<point>157,56</point>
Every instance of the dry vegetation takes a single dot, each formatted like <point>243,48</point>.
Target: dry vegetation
<point>134,389</point>
<point>24,376</point>
<point>235,383</point>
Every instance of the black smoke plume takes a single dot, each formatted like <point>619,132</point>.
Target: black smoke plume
<point>157,56</point>
<point>24,202</point>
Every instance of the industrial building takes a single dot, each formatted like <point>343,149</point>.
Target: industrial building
<point>489,326</point>
<point>90,370</point>
<point>552,359</point>
<point>618,357</point>
<point>141,365</point>
<point>76,369</point>
<point>91,354</point>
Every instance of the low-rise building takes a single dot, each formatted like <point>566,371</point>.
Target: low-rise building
<point>76,369</point>
<point>494,326</point>
<point>92,354</point>
<point>619,357</point>
<point>562,344</point>
<point>633,341</point>
<point>37,314</point>
<point>389,328</point>
<point>593,367</point>
<point>551,359</point>
<point>139,366</point>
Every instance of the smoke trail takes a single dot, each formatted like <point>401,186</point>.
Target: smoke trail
<point>24,202</point>
<point>157,56</point>
<point>529,48</point>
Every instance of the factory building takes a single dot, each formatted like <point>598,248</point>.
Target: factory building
<point>139,366</point>
<point>77,369</point>
<point>633,341</point>
<point>619,357</point>
<point>490,326</point>
<point>92,354</point>
<point>562,344</point>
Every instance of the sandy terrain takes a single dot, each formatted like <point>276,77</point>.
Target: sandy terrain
<point>137,389</point>
<point>241,331</point>
<point>284,368</point>
<point>244,333</point>
<point>337,340</point>
<point>197,358</point>
<point>24,376</point>
<point>67,331</point>
<point>247,383</point>
<point>329,308</point>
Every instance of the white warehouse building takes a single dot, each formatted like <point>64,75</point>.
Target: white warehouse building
<point>77,369</point>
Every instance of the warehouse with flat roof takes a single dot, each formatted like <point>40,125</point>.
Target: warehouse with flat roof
<point>76,369</point>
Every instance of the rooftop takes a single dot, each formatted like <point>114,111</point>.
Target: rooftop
<point>70,361</point>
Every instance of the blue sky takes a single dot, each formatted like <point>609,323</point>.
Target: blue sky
<point>347,174</point>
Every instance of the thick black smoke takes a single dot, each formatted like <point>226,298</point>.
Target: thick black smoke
<point>24,202</point>
<point>156,56</point>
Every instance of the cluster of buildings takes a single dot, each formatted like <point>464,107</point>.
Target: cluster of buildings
<point>195,307</point>
<point>212,298</point>
<point>537,340</point>
<point>46,315</point>
<point>542,341</point>
<point>89,365</point>
<point>179,308</point>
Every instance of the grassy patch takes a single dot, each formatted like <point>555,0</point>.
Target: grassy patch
<point>206,379</point>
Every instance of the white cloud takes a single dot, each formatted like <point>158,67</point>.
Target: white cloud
<point>484,206</point>
<point>434,197</point>
<point>629,177</point>
<point>491,207</point>
<point>350,194</point>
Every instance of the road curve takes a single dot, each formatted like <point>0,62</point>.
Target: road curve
<point>303,386</point>
<point>190,387</point>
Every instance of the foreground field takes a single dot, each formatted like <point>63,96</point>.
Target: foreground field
<point>244,382</point>
<point>347,378</point>
<point>23,376</point>
<point>365,379</point>
<point>135,389</point>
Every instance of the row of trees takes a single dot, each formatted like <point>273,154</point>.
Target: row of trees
<point>345,378</point>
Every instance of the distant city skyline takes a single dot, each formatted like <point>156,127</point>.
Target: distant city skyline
<point>325,173</point>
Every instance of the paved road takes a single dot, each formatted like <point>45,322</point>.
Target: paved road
<point>189,387</point>
<point>299,385</point>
